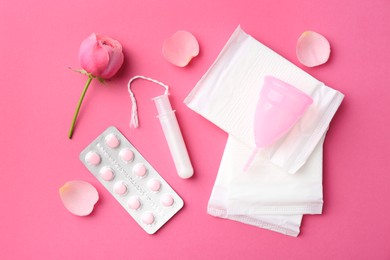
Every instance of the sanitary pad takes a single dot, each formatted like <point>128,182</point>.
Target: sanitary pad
<point>266,195</point>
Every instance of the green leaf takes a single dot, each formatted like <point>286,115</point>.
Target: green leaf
<point>84,72</point>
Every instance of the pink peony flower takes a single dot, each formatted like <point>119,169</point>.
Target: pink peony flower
<point>100,57</point>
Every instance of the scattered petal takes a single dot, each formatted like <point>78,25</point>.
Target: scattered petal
<point>79,197</point>
<point>313,49</point>
<point>180,48</point>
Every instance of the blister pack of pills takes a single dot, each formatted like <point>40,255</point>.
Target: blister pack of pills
<point>135,184</point>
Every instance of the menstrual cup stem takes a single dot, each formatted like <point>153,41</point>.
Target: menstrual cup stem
<point>250,160</point>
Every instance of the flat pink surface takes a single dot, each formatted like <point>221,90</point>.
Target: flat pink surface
<point>40,40</point>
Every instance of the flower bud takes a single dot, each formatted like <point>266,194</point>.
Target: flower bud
<point>101,56</point>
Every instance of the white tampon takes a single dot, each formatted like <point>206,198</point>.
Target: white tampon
<point>173,136</point>
<point>170,128</point>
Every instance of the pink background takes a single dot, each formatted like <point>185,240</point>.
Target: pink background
<point>40,40</point>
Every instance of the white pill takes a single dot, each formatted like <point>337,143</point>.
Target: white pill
<point>126,155</point>
<point>148,218</point>
<point>93,158</point>
<point>134,202</point>
<point>112,141</point>
<point>120,188</point>
<point>167,200</point>
<point>139,169</point>
<point>154,185</point>
<point>107,173</point>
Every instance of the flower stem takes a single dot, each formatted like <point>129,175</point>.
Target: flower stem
<point>79,105</point>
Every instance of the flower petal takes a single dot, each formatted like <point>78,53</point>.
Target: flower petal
<point>180,48</point>
<point>79,197</point>
<point>116,57</point>
<point>312,49</point>
<point>93,57</point>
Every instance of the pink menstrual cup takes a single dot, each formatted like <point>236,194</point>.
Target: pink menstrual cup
<point>279,107</point>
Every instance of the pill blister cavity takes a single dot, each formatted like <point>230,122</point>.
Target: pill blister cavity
<point>93,158</point>
<point>167,200</point>
<point>126,155</point>
<point>154,185</point>
<point>148,218</point>
<point>134,202</point>
<point>140,170</point>
<point>107,174</point>
<point>112,141</point>
<point>120,188</point>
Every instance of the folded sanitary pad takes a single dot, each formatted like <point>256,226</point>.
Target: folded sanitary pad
<point>266,195</point>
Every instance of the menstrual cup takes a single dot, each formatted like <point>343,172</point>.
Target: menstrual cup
<point>279,107</point>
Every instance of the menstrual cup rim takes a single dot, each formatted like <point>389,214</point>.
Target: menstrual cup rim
<point>283,86</point>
